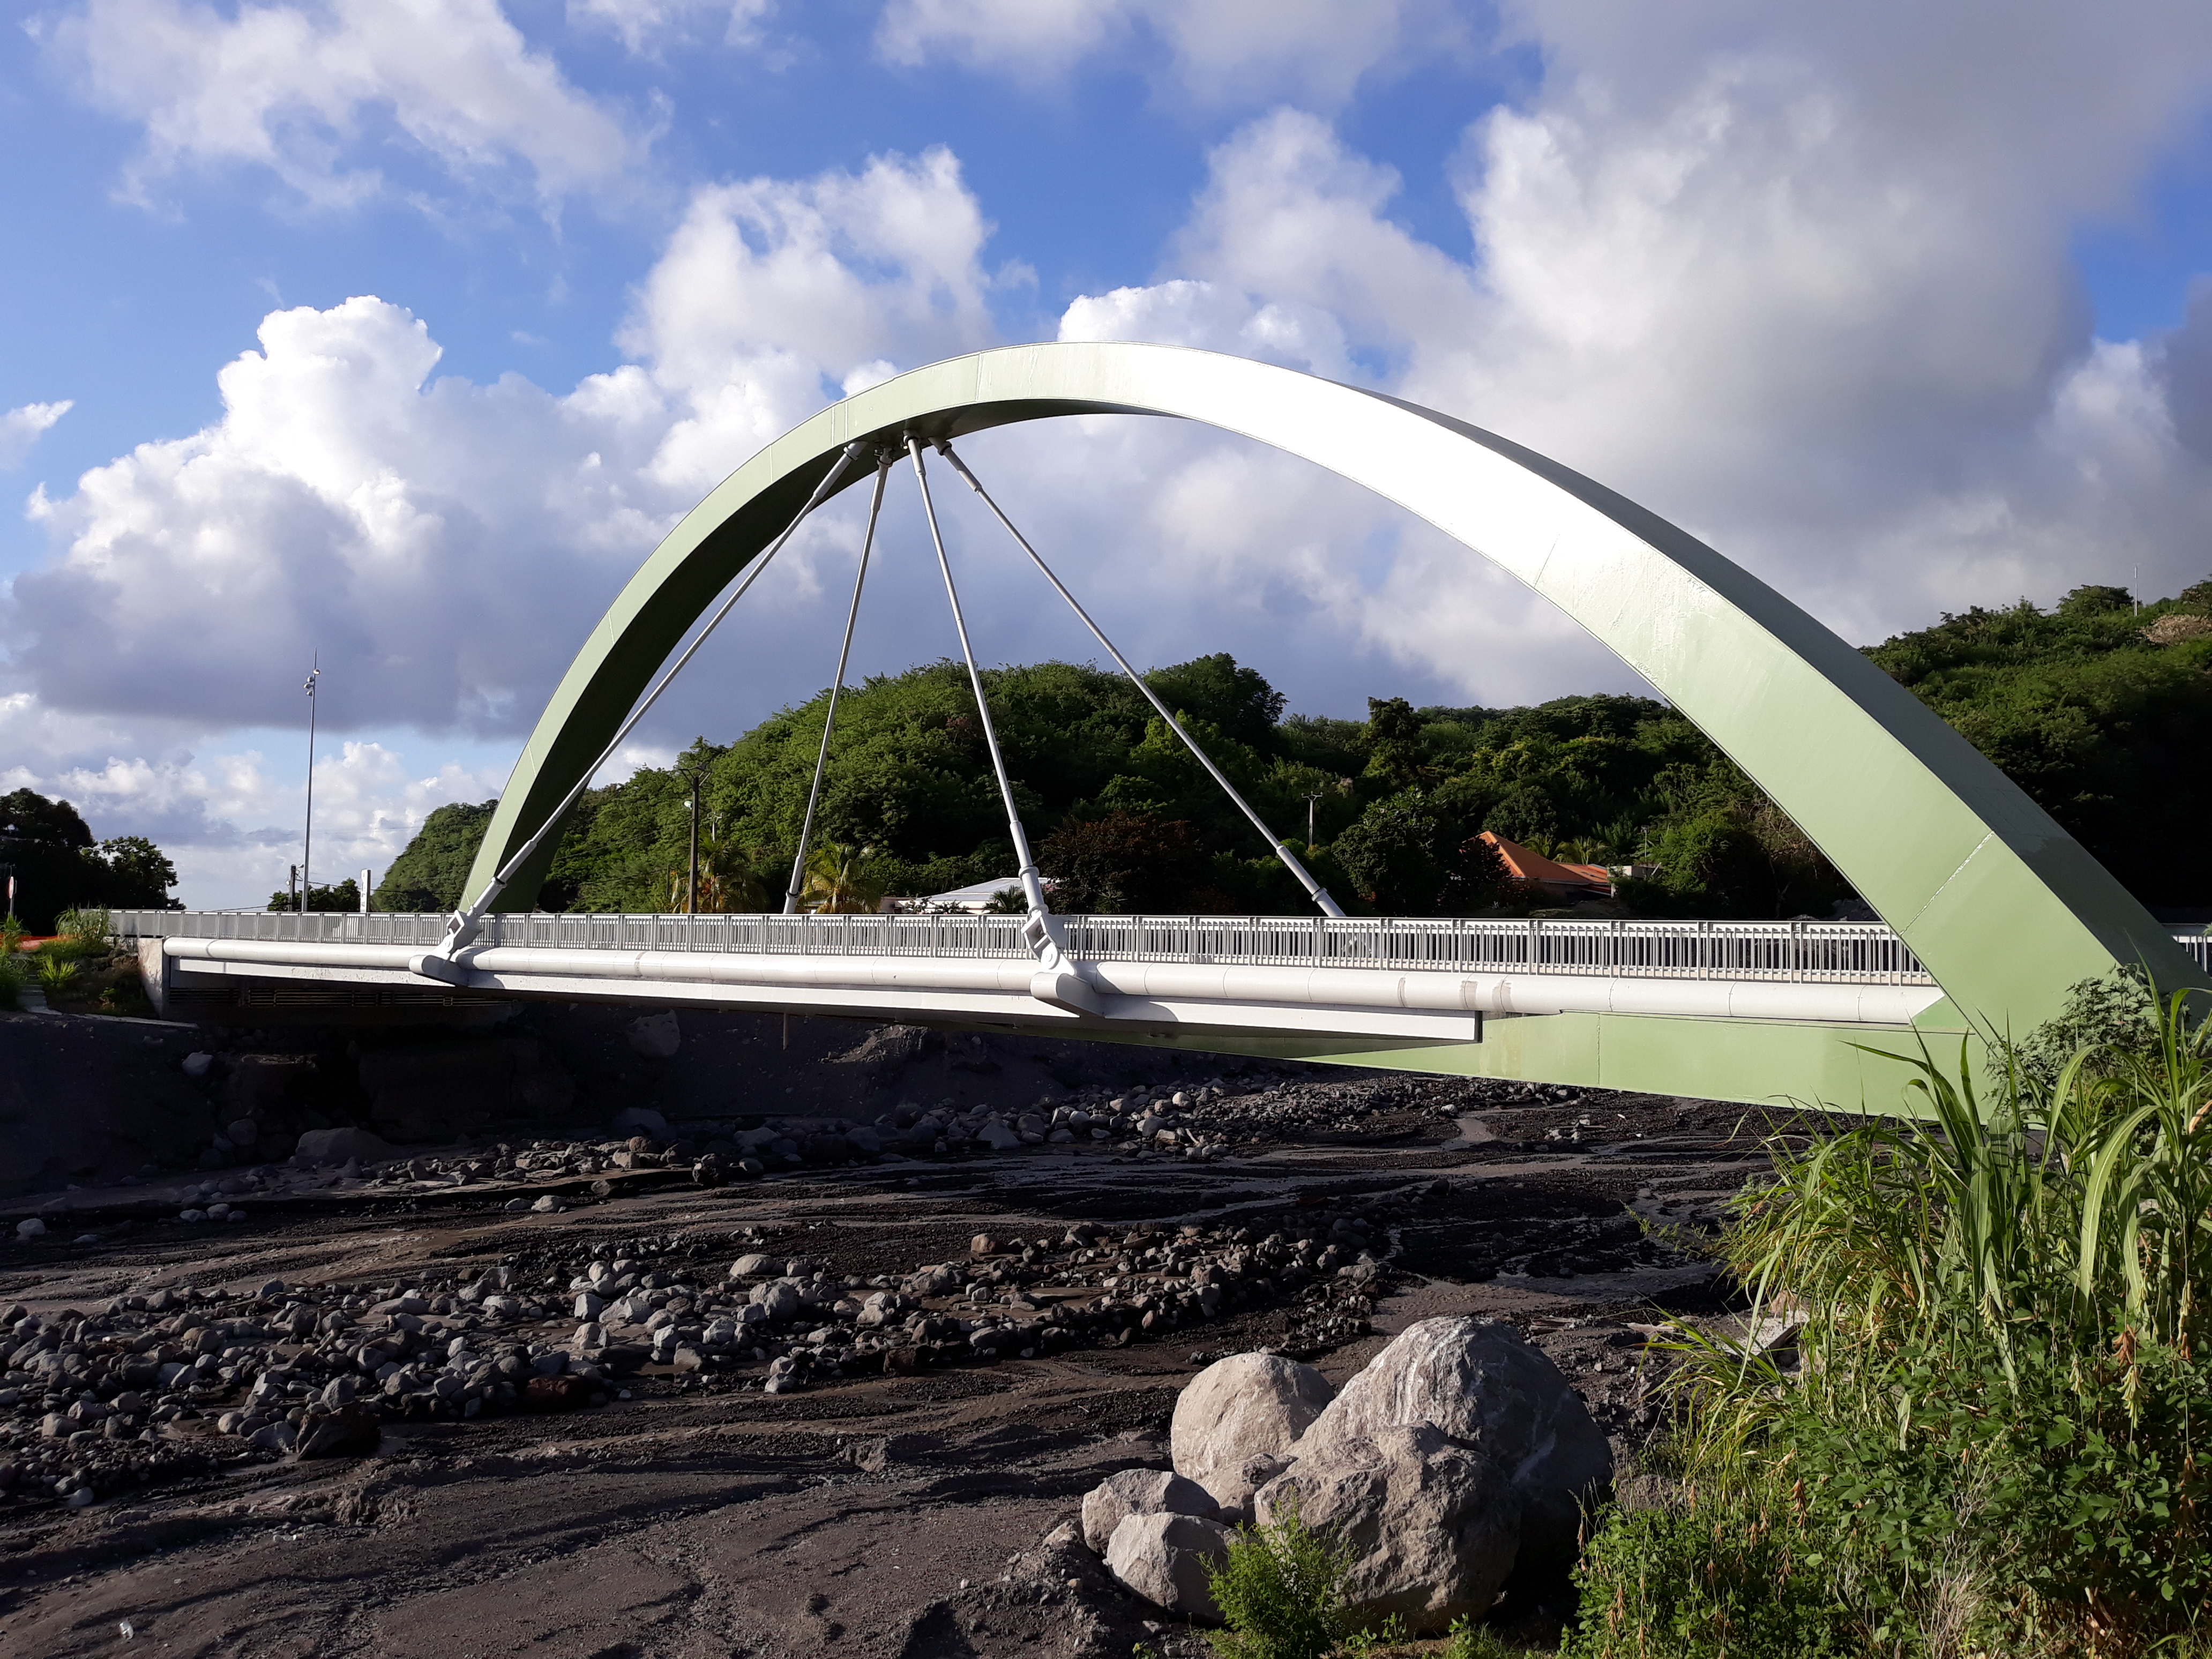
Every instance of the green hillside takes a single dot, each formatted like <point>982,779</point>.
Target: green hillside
<point>2099,709</point>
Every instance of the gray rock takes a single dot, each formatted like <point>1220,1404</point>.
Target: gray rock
<point>32,1228</point>
<point>756,1266</point>
<point>1432,1526</point>
<point>999,1137</point>
<point>1162,1558</point>
<point>1483,1386</point>
<point>548,1205</point>
<point>196,1064</point>
<point>1247,1406</point>
<point>243,1131</point>
<point>778,1299</point>
<point>1140,1492</point>
<point>342,1146</point>
<point>656,1036</point>
<point>349,1431</point>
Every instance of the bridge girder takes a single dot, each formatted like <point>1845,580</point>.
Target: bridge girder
<point>2004,908</point>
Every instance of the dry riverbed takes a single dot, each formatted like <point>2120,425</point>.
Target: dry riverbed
<point>835,1406</point>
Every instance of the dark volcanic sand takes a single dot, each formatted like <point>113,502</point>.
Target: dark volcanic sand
<point>875,1516</point>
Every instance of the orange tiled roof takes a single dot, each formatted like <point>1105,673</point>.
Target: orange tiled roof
<point>1526,866</point>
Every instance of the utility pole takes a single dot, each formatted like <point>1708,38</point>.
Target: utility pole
<point>695,777</point>
<point>307,843</point>
<point>1310,799</point>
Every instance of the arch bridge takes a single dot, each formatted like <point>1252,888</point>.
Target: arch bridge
<point>1989,911</point>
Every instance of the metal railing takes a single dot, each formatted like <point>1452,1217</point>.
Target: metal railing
<point>1835,951</point>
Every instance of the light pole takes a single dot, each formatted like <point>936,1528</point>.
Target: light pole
<point>693,776</point>
<point>307,842</point>
<point>1310,799</point>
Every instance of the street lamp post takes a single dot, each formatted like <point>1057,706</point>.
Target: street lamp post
<point>307,842</point>
<point>693,776</point>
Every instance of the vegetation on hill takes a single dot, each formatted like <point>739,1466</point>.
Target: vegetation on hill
<point>1128,820</point>
<point>48,848</point>
<point>2099,709</point>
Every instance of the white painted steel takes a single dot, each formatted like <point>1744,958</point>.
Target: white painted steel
<point>1836,952</point>
<point>1244,996</point>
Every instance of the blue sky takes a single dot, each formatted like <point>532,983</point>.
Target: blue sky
<point>399,330</point>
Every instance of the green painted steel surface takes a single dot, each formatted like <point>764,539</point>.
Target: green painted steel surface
<point>2004,907</point>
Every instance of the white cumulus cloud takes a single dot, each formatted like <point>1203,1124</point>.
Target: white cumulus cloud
<point>23,427</point>
<point>1215,51</point>
<point>312,91</point>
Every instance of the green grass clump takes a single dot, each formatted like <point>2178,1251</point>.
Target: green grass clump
<point>1993,1437</point>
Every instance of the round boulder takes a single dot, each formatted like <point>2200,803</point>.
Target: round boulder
<point>1162,1558</point>
<point>1479,1383</point>
<point>1247,1406</point>
<point>1139,1492</point>
<point>1432,1526</point>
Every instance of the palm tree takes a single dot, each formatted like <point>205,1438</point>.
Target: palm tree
<point>838,881</point>
<point>731,878</point>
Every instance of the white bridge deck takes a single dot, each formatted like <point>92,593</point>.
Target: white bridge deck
<point>1417,979</point>
<point>1398,979</point>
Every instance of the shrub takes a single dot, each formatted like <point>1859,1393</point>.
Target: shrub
<point>1281,1592</point>
<point>1992,1438</point>
<point>56,974</point>
<point>87,930</point>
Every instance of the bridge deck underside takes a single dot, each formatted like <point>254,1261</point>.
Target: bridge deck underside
<point>1749,1012</point>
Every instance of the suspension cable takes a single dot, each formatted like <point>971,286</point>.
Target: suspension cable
<point>461,927</point>
<point>836,686</point>
<point>1032,886</point>
<point>1314,889</point>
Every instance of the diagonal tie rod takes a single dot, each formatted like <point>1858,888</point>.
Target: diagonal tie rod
<point>844,653</point>
<point>461,927</point>
<point>1314,889</point>
<point>1032,886</point>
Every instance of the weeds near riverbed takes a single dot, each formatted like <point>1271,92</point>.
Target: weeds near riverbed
<point>1990,1436</point>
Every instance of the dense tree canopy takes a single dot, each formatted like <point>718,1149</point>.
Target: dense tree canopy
<point>2101,710</point>
<point>49,849</point>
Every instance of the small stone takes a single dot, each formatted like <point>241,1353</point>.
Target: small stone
<point>196,1064</point>
<point>33,1228</point>
<point>548,1205</point>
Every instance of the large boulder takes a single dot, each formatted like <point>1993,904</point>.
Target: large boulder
<point>1483,1386</point>
<point>1140,1492</point>
<point>1432,1525</point>
<point>1246,1406</point>
<point>340,1146</point>
<point>1162,1558</point>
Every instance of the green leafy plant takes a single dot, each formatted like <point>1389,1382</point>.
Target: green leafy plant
<point>56,974</point>
<point>1281,1591</point>
<point>1990,1433</point>
<point>1469,1640</point>
<point>85,932</point>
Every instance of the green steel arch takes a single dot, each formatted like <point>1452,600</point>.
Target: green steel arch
<point>2005,909</point>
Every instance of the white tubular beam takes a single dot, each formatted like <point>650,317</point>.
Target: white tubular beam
<point>836,686</point>
<point>1133,991</point>
<point>464,924</point>
<point>1315,891</point>
<point>1032,884</point>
